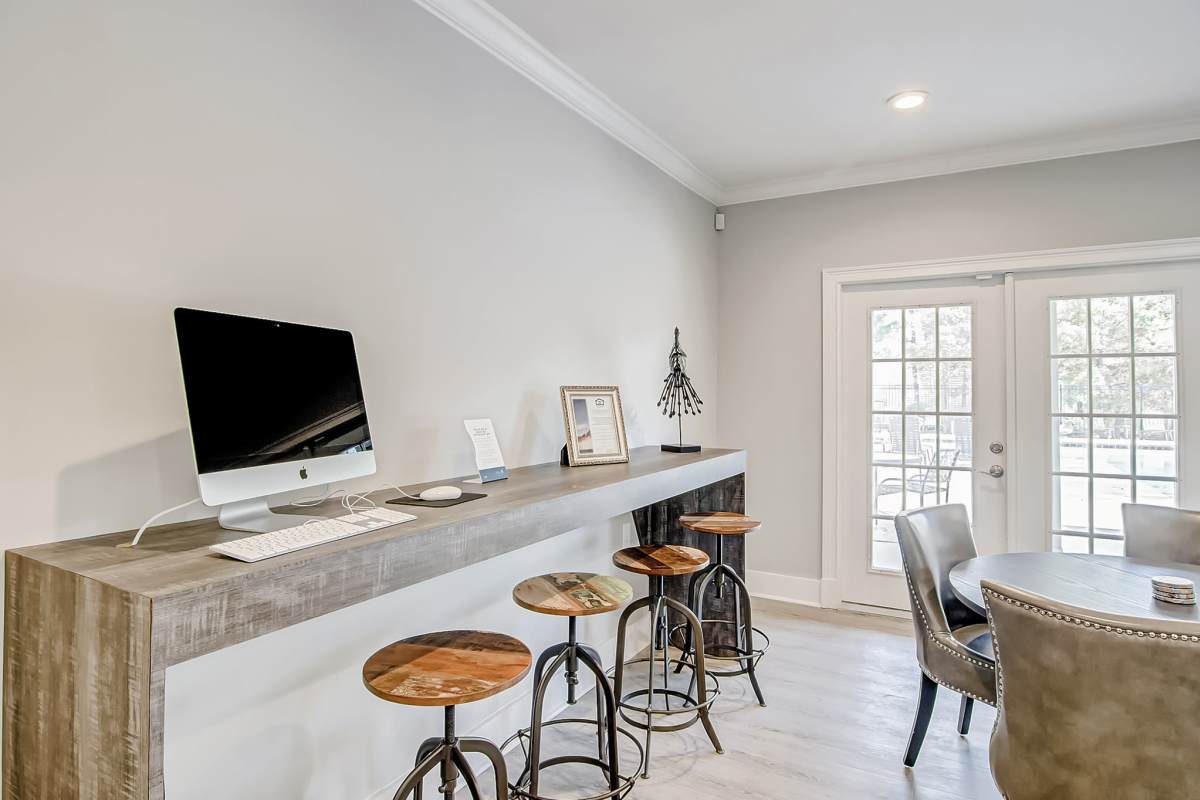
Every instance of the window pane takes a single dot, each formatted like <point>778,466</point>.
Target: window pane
<point>1069,444</point>
<point>1154,323</point>
<point>1109,547</point>
<point>1069,503</point>
<point>1069,385</point>
<point>1110,493</point>
<point>888,490</point>
<point>920,331</point>
<point>954,332</point>
<point>920,439</point>
<point>1070,544</point>
<point>920,378</point>
<point>1110,386</point>
<point>1158,493</point>
<point>885,386</point>
<point>1110,325</point>
<point>955,446</point>
<point>1068,323</point>
<point>1155,388</point>
<point>1110,445</point>
<point>885,551</point>
<point>1156,444</point>
<point>885,438</point>
<point>956,488</point>
<point>956,386</point>
<point>885,333</point>
<point>922,486</point>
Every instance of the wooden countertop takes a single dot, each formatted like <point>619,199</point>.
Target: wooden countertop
<point>203,602</point>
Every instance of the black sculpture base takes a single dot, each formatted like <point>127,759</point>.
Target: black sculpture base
<point>681,448</point>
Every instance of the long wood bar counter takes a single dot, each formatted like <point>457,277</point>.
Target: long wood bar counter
<point>90,628</point>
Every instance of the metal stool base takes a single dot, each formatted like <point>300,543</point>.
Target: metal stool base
<point>449,752</point>
<point>659,604</point>
<point>747,656</point>
<point>520,789</point>
<point>570,655</point>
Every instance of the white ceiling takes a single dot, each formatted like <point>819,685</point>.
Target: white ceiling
<point>772,97</point>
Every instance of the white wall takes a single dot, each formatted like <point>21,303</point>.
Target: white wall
<point>771,257</point>
<point>354,164</point>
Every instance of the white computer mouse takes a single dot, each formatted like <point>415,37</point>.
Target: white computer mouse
<point>441,493</point>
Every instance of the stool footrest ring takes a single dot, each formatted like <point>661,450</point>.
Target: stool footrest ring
<point>520,789</point>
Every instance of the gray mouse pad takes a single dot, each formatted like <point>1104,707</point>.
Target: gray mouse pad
<point>466,497</point>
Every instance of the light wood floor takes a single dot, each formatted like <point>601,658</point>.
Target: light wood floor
<point>840,690</point>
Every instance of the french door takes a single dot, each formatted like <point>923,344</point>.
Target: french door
<point>1108,402</point>
<point>923,418</point>
<point>1104,387</point>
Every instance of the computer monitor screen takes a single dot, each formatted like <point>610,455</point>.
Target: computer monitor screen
<point>261,392</point>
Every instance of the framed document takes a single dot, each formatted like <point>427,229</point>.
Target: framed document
<point>595,425</point>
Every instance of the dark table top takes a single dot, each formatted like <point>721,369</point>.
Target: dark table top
<point>1105,584</point>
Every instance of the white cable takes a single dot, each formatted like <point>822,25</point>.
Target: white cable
<point>138,536</point>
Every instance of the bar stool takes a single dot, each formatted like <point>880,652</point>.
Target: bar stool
<point>573,595</point>
<point>658,561</point>
<point>447,669</point>
<point>743,651</point>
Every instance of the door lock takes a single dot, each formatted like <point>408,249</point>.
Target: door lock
<point>996,447</point>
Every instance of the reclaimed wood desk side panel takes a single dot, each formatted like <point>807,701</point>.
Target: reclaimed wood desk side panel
<point>190,624</point>
<point>76,686</point>
<point>659,524</point>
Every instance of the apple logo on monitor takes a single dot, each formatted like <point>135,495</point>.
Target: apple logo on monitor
<point>304,473</point>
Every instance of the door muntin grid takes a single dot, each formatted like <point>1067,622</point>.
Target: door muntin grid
<point>1114,414</point>
<point>922,423</point>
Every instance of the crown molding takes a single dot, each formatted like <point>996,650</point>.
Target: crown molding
<point>966,161</point>
<point>498,35</point>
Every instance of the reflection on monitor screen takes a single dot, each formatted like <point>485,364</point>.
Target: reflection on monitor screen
<point>261,392</point>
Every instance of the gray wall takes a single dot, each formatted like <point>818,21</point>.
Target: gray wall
<point>772,254</point>
<point>346,163</point>
<point>355,164</point>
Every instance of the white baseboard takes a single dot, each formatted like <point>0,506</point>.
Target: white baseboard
<point>784,588</point>
<point>513,716</point>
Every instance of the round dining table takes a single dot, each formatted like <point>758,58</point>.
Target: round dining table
<point>1104,584</point>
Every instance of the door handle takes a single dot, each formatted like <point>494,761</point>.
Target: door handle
<point>995,470</point>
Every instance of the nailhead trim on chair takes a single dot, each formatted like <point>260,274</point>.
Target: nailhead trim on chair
<point>1087,623</point>
<point>989,595</point>
<point>929,633</point>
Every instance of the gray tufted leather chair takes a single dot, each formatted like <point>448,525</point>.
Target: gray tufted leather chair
<point>1092,706</point>
<point>1161,534</point>
<point>954,647</point>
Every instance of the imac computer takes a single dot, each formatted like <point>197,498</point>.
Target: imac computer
<point>272,407</point>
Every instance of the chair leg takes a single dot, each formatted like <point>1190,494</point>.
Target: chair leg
<point>466,773</point>
<point>964,715</point>
<point>927,696</point>
<point>473,744</point>
<point>698,671</point>
<point>745,621</point>
<point>428,746</point>
<point>413,782</point>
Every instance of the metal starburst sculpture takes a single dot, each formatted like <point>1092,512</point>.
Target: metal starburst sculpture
<point>678,396</point>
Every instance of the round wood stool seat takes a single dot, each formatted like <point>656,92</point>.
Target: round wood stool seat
<point>446,668</point>
<point>661,559</point>
<point>720,523</point>
<point>572,594</point>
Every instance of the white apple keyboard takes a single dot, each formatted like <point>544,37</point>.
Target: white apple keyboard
<point>310,534</point>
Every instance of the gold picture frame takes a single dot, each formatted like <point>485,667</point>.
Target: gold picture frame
<point>595,425</point>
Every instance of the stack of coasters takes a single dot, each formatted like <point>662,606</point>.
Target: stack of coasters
<point>1170,589</point>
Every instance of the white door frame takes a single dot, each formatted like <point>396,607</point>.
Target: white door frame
<point>834,279</point>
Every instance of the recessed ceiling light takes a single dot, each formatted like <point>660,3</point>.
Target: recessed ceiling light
<point>907,101</point>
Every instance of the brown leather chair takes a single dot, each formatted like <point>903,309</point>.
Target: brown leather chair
<point>1092,706</point>
<point>954,647</point>
<point>1161,534</point>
